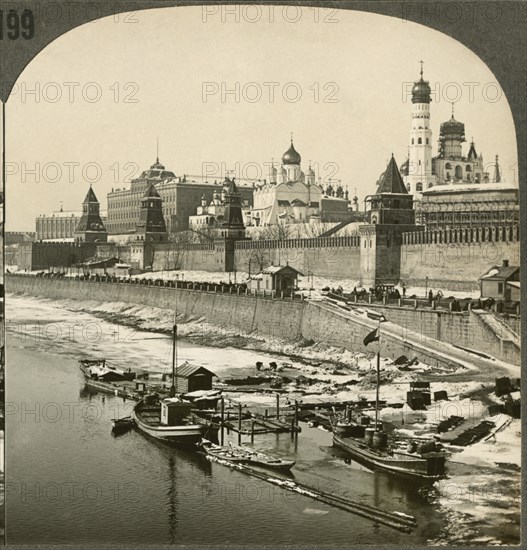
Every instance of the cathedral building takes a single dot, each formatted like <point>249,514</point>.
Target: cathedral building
<point>423,171</point>
<point>294,196</point>
<point>211,214</point>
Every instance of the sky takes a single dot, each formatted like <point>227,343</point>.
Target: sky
<point>92,106</point>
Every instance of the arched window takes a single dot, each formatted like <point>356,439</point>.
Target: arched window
<point>427,141</point>
<point>430,185</point>
<point>413,141</point>
<point>408,187</point>
<point>448,166</point>
<point>419,141</point>
<point>468,168</point>
<point>459,172</point>
<point>419,186</point>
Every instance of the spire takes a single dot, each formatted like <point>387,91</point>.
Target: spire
<point>422,63</point>
<point>453,110</point>
<point>157,150</point>
<point>90,196</point>
<point>472,155</point>
<point>391,180</point>
<point>497,172</point>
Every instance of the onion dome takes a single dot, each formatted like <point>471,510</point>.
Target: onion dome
<point>310,171</point>
<point>421,90</point>
<point>291,156</point>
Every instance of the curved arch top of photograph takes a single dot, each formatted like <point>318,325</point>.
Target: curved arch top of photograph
<point>262,272</point>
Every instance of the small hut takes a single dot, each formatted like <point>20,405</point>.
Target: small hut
<point>278,278</point>
<point>191,378</point>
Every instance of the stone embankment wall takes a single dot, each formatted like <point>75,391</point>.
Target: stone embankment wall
<point>414,332</point>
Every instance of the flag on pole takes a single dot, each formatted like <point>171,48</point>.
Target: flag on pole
<point>371,337</point>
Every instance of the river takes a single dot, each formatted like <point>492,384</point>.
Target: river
<point>70,481</point>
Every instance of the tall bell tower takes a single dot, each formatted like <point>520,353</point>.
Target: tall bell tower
<point>420,175</point>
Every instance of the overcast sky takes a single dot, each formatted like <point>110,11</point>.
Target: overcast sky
<point>344,83</point>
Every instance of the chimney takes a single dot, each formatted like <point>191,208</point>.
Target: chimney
<point>505,263</point>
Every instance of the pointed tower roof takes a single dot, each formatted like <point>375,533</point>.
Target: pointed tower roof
<point>151,193</point>
<point>90,196</point>
<point>497,172</point>
<point>472,155</point>
<point>230,186</point>
<point>391,180</point>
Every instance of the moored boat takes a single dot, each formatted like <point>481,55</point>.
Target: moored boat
<point>100,370</point>
<point>231,454</point>
<point>245,455</point>
<point>122,425</point>
<point>171,419</point>
<point>420,464</point>
<point>271,462</point>
<point>368,444</point>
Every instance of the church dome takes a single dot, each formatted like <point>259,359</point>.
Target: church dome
<point>452,128</point>
<point>291,156</point>
<point>310,172</point>
<point>421,92</point>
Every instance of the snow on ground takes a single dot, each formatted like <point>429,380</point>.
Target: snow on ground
<point>503,447</point>
<point>306,283</point>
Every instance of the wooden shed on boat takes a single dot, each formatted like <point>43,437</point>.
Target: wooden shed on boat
<point>191,378</point>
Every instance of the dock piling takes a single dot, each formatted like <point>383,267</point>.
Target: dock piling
<point>239,423</point>
<point>222,409</point>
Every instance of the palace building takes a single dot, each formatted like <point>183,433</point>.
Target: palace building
<point>180,198</point>
<point>60,225</point>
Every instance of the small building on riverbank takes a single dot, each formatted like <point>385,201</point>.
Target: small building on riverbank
<point>277,278</point>
<point>496,282</point>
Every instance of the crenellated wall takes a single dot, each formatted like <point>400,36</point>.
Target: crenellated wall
<point>451,259</point>
<point>332,257</point>
<point>455,265</point>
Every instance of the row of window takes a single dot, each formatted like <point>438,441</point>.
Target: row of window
<point>420,141</point>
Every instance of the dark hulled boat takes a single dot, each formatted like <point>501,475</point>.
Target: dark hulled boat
<point>423,463</point>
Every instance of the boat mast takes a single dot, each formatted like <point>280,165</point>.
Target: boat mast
<point>378,378</point>
<point>172,392</point>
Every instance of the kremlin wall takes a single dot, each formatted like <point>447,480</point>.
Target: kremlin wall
<point>438,222</point>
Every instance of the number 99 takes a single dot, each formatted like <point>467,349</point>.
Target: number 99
<point>18,26</point>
